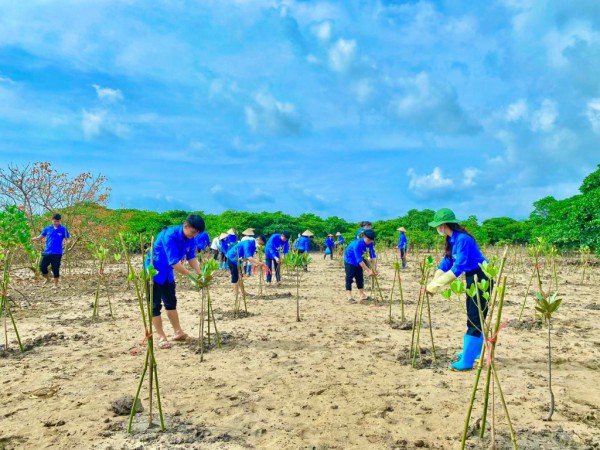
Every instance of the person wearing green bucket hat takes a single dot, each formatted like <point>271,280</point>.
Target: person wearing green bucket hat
<point>462,255</point>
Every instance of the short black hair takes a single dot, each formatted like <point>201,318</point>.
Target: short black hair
<point>364,223</point>
<point>196,222</point>
<point>56,217</point>
<point>262,237</point>
<point>287,234</point>
<point>369,233</point>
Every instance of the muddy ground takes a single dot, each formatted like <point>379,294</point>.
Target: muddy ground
<point>338,379</point>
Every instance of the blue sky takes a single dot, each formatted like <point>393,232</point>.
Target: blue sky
<point>361,109</point>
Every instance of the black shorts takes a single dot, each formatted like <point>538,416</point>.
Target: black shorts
<point>52,260</point>
<point>163,294</point>
<point>235,273</point>
<point>354,273</point>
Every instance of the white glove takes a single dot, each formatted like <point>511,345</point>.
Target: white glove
<point>442,280</point>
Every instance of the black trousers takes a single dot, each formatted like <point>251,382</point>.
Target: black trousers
<point>272,263</point>
<point>473,320</point>
<point>53,261</point>
<point>354,273</point>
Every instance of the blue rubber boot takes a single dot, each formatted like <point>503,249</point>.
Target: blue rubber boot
<point>471,351</point>
<point>459,355</point>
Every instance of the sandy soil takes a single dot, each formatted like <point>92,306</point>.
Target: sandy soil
<point>339,379</point>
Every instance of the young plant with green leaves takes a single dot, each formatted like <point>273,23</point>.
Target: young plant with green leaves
<point>296,263</point>
<point>100,254</point>
<point>143,282</point>
<point>202,282</point>
<point>14,235</point>
<point>397,265</point>
<point>584,253</point>
<point>425,268</point>
<point>546,307</point>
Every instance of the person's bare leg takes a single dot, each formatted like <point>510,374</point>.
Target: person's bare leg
<point>46,278</point>
<point>362,295</point>
<point>349,295</point>
<point>56,283</point>
<point>158,328</point>
<point>174,319</point>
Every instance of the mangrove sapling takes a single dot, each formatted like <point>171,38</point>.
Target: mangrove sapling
<point>99,252</point>
<point>202,283</point>
<point>547,306</point>
<point>584,252</point>
<point>241,287</point>
<point>14,234</point>
<point>425,267</point>
<point>397,267</point>
<point>296,262</point>
<point>260,250</point>
<point>490,342</point>
<point>536,252</point>
<point>143,282</point>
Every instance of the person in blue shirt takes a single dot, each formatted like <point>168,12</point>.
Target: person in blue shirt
<point>402,245</point>
<point>202,241</point>
<point>364,225</point>
<point>171,247</point>
<point>55,235</point>
<point>236,255</point>
<point>303,244</point>
<point>223,248</point>
<point>462,256</point>
<point>273,254</point>
<point>329,246</point>
<point>355,264</point>
<point>247,234</point>
<point>340,239</point>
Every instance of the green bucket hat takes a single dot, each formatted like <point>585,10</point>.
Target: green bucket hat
<point>444,215</point>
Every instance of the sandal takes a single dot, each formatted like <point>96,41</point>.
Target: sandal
<point>351,301</point>
<point>163,343</point>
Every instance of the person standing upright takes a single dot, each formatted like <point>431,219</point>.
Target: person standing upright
<point>402,245</point>
<point>55,235</point>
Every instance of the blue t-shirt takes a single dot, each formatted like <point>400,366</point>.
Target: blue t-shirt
<point>243,249</point>
<point>170,247</point>
<point>274,244</point>
<point>54,239</point>
<point>303,243</point>
<point>329,242</point>
<point>340,240</point>
<point>466,255</point>
<point>402,242</point>
<point>202,240</point>
<point>354,252</point>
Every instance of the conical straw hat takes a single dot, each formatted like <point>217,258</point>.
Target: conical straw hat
<point>401,229</point>
<point>231,231</point>
<point>338,234</point>
<point>248,232</point>
<point>308,233</point>
<point>222,236</point>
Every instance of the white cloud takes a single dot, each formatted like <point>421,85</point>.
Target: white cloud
<point>342,55</point>
<point>96,123</point>
<point>311,59</point>
<point>271,115</point>
<point>516,111</point>
<point>422,184</point>
<point>92,123</point>
<point>469,175</point>
<point>6,80</point>
<point>322,31</point>
<point>432,105</point>
<point>593,114</point>
<point>107,94</point>
<point>545,117</point>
